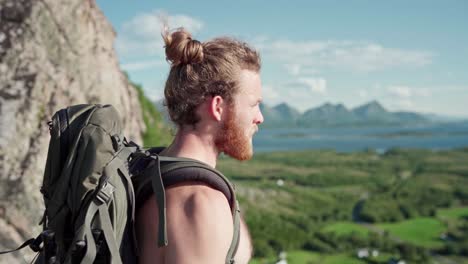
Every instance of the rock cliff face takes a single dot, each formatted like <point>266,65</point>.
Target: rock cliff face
<point>52,54</point>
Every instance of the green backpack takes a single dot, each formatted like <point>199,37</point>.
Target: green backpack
<point>95,180</point>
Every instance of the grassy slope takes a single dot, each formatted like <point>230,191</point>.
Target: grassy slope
<point>423,232</point>
<point>345,228</point>
<point>419,231</point>
<point>457,212</point>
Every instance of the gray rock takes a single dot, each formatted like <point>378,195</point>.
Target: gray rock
<point>52,54</point>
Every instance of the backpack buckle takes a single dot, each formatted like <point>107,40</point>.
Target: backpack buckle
<point>116,142</point>
<point>105,193</point>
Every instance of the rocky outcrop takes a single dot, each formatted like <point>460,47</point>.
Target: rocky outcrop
<point>52,54</point>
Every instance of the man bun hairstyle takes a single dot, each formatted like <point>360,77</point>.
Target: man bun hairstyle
<point>182,49</point>
<point>200,70</point>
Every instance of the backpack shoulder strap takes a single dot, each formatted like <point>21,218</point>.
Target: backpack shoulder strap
<point>190,170</point>
<point>164,172</point>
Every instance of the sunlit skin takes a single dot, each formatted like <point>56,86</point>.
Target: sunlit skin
<point>199,226</point>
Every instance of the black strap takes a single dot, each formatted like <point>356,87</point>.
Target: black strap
<point>195,172</point>
<point>159,192</point>
<point>32,242</point>
<point>172,176</point>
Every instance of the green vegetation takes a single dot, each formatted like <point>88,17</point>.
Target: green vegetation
<point>453,213</point>
<point>307,257</point>
<point>346,228</point>
<point>423,232</point>
<point>157,133</point>
<point>404,203</point>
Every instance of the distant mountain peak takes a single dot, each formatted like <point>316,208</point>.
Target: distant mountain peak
<point>375,104</point>
<point>286,111</point>
<point>341,106</point>
<point>284,106</point>
<point>372,107</point>
<point>329,107</point>
<point>330,114</point>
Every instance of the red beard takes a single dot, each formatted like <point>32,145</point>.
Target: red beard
<point>232,140</point>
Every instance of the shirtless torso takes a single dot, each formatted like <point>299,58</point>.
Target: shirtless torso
<point>199,228</point>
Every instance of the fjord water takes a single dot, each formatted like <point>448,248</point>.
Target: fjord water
<point>348,139</point>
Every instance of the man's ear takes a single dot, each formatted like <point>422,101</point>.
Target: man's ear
<point>217,106</point>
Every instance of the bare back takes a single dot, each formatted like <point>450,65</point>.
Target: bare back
<point>199,227</point>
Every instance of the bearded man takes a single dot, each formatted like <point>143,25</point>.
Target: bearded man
<point>213,95</point>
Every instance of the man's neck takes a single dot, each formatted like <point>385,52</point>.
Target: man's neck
<point>190,144</point>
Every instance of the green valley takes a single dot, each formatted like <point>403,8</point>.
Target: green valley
<point>318,206</point>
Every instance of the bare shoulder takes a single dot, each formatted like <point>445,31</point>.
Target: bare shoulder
<point>198,199</point>
<point>199,220</point>
<point>199,210</point>
<point>191,195</point>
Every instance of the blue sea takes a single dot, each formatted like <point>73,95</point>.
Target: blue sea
<point>435,136</point>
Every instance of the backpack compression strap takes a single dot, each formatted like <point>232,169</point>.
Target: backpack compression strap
<point>164,172</point>
<point>99,208</point>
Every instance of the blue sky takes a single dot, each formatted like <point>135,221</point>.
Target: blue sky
<point>408,55</point>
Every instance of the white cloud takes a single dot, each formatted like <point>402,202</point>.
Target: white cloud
<point>301,93</point>
<point>363,93</point>
<point>150,24</point>
<point>296,69</point>
<point>141,65</point>
<point>141,36</point>
<point>406,92</point>
<point>293,69</point>
<point>400,91</point>
<point>347,55</point>
<point>405,104</point>
<point>401,97</point>
<point>154,94</point>
<point>316,85</point>
<point>271,95</point>
<point>302,88</point>
<point>423,92</point>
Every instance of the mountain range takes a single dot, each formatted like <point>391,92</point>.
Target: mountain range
<point>327,115</point>
<point>337,115</point>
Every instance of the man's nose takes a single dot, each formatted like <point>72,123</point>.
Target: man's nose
<point>259,118</point>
